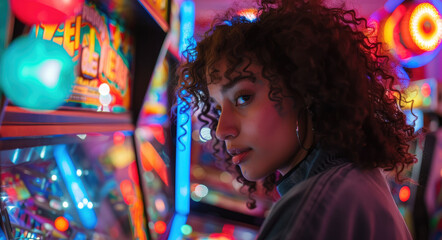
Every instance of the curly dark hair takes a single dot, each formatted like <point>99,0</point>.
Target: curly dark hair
<point>325,55</point>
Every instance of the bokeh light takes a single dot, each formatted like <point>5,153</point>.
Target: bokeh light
<point>119,138</point>
<point>426,90</point>
<point>104,89</point>
<point>198,172</point>
<point>201,190</point>
<point>205,134</point>
<point>186,229</point>
<point>226,177</point>
<point>404,193</point>
<point>127,191</point>
<point>61,224</point>
<point>36,74</point>
<point>160,227</point>
<point>160,205</point>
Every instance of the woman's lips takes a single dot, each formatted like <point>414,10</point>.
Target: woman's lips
<point>237,159</point>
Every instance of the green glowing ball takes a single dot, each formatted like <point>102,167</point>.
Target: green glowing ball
<point>36,74</point>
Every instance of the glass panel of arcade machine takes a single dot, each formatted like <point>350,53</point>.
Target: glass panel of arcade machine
<point>86,188</point>
<point>155,145</point>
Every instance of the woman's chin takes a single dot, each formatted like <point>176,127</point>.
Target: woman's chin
<point>251,175</point>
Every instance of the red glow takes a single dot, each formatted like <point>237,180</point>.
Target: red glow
<point>160,227</point>
<point>133,173</point>
<point>61,224</point>
<point>220,236</point>
<point>228,229</point>
<point>151,159</point>
<point>45,11</point>
<point>426,89</point>
<point>404,193</point>
<point>158,132</point>
<point>119,138</point>
<point>127,191</point>
<point>427,26</point>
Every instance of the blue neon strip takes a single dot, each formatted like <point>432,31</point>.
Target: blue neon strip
<point>175,230</point>
<point>391,5</point>
<point>187,25</point>
<point>184,121</point>
<point>182,180</point>
<point>74,186</point>
<point>420,60</point>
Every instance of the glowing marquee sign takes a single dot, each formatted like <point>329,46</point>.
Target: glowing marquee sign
<point>413,32</point>
<point>426,27</point>
<point>102,49</point>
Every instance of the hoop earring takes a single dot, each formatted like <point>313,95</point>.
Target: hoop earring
<point>297,132</point>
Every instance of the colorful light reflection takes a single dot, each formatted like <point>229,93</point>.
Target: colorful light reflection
<point>401,43</point>
<point>75,186</point>
<point>249,14</point>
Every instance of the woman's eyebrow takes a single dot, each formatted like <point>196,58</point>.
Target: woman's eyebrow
<point>226,87</point>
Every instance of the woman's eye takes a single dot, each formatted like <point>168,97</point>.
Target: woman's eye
<point>242,100</point>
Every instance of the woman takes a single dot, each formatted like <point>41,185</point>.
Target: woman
<point>305,92</point>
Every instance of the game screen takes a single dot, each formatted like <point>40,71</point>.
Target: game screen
<point>102,49</point>
<point>83,186</point>
<point>156,149</point>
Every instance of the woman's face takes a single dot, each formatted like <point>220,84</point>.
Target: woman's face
<point>259,138</point>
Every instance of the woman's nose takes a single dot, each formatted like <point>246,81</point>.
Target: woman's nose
<point>228,126</point>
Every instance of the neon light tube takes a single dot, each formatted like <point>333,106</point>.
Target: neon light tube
<point>74,186</point>
<point>175,230</point>
<point>187,24</point>
<point>184,121</point>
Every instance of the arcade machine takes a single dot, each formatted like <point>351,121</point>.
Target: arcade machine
<point>409,195</point>
<point>411,29</point>
<point>72,172</point>
<point>156,146</point>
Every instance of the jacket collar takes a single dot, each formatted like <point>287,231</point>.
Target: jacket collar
<point>317,161</point>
